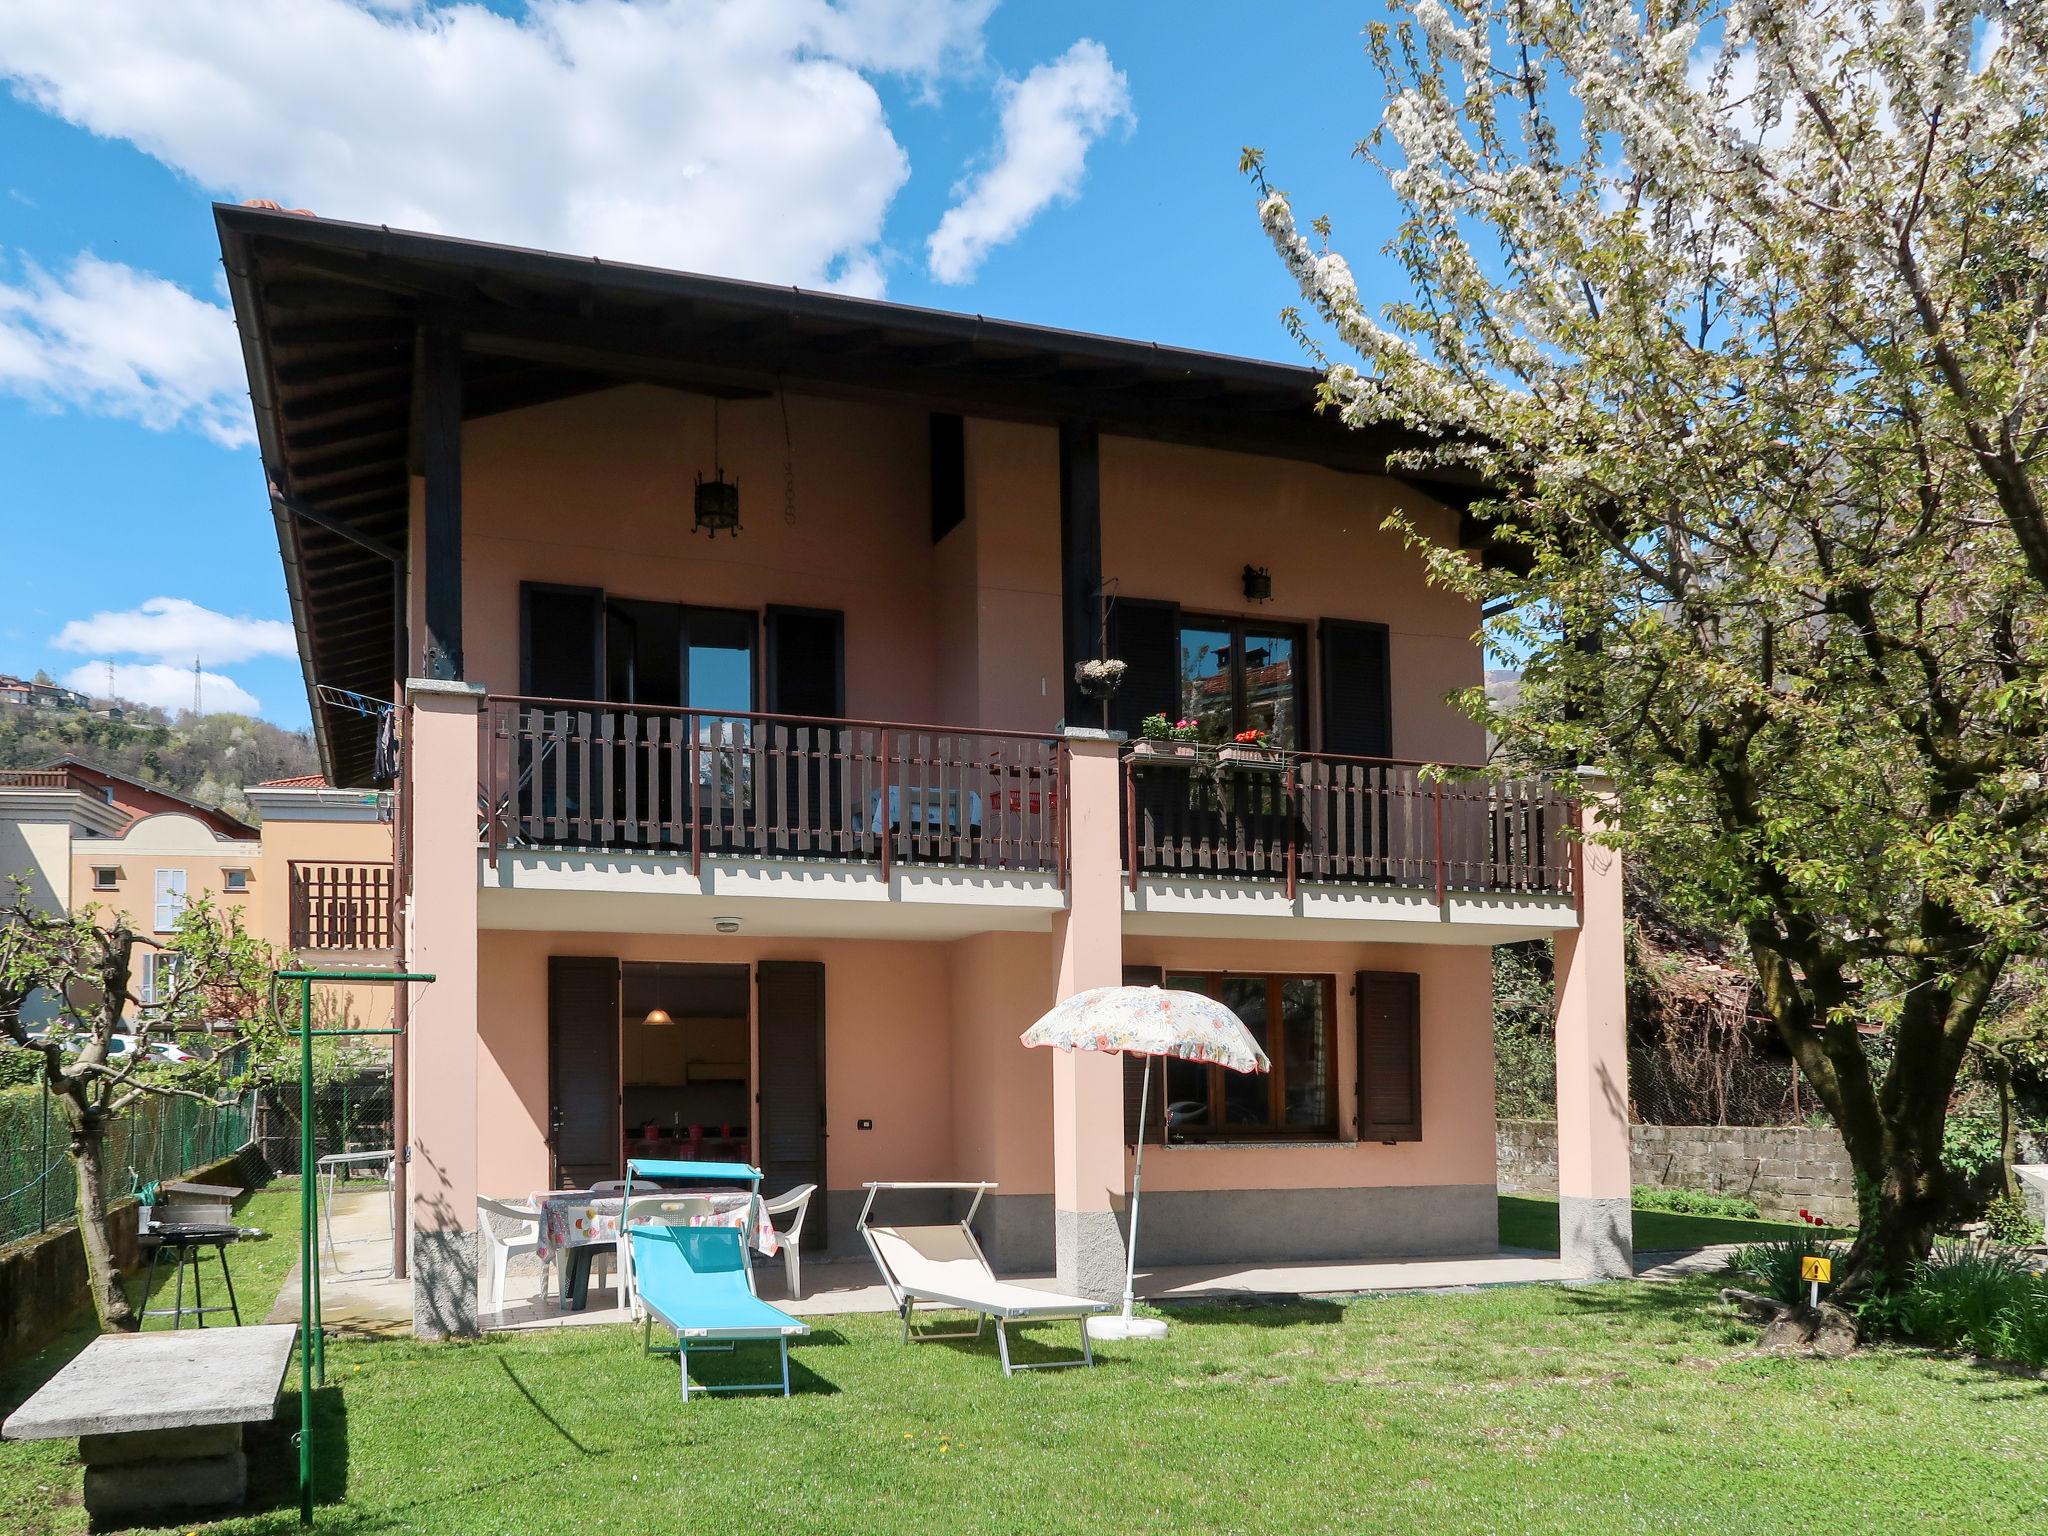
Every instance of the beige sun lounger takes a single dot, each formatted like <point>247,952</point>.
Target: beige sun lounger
<point>942,1266</point>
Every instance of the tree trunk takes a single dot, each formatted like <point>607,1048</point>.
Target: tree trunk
<point>1895,1153</point>
<point>103,1275</point>
<point>2008,1127</point>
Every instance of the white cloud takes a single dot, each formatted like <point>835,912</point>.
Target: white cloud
<point>174,630</point>
<point>167,687</point>
<point>108,338</point>
<point>733,136</point>
<point>1049,120</point>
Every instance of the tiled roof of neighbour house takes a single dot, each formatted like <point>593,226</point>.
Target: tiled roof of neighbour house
<point>329,315</point>
<point>300,781</point>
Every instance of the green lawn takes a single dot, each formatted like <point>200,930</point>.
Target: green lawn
<point>1530,1221</point>
<point>1527,1409</point>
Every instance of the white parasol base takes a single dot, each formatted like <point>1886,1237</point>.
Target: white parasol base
<point>1117,1326</point>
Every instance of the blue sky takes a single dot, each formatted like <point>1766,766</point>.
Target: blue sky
<point>127,479</point>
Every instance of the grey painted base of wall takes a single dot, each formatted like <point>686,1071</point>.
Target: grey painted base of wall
<point>444,1277</point>
<point>1280,1225</point>
<point>1596,1238</point>
<point>1016,1233</point>
<point>1088,1253</point>
<point>1019,1233</point>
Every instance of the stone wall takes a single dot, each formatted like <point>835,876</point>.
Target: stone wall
<point>43,1287</point>
<point>1784,1168</point>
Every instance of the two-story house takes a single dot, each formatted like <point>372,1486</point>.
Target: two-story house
<point>751,804</point>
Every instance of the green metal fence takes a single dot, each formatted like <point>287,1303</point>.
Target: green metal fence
<point>156,1138</point>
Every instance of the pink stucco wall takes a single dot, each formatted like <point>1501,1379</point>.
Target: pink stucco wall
<point>595,491</point>
<point>921,1037</point>
<point>888,1048</point>
<point>1457,1145</point>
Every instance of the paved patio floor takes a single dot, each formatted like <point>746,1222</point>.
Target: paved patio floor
<point>360,1295</point>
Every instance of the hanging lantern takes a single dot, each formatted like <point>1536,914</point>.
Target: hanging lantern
<point>718,506</point>
<point>718,499</point>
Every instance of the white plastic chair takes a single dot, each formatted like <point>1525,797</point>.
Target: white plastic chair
<point>651,1211</point>
<point>524,1239</point>
<point>798,1200</point>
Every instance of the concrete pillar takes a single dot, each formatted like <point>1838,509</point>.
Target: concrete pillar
<point>1088,1086</point>
<point>442,1024</point>
<point>1596,1232</point>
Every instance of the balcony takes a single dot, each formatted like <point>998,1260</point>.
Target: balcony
<point>341,907</point>
<point>1364,837</point>
<point>691,784</point>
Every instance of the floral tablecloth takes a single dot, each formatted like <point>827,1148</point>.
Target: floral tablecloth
<point>574,1218</point>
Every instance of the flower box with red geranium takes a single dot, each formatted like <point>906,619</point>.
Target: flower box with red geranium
<point>1250,749</point>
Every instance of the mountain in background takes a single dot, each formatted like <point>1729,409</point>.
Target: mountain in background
<point>209,757</point>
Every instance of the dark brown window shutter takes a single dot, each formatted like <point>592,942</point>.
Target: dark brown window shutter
<point>561,641</point>
<point>1389,1056</point>
<point>805,664</point>
<point>1357,689</point>
<point>1145,637</point>
<point>1135,1068</point>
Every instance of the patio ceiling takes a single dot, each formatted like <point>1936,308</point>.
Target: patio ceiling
<point>332,315</point>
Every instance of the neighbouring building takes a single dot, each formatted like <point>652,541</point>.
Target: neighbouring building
<point>315,877</point>
<point>750,803</point>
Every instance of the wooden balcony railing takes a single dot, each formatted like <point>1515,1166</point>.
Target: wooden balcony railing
<point>341,906</point>
<point>581,774</point>
<point>34,778</point>
<point>1299,816</point>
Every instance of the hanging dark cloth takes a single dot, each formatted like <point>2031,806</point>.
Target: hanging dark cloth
<point>384,759</point>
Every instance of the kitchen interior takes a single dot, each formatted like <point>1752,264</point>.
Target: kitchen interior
<point>684,1058</point>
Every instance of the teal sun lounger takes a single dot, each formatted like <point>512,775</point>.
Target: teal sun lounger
<point>696,1280</point>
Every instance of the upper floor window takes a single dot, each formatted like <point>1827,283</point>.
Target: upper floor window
<point>105,877</point>
<point>234,879</point>
<point>1237,676</point>
<point>579,643</point>
<point>169,891</point>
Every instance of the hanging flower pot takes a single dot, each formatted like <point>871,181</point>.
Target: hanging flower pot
<point>1099,678</point>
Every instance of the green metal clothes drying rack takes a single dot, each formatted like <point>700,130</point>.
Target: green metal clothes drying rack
<point>312,1338</point>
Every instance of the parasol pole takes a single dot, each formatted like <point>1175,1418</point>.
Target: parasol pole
<point>1124,1325</point>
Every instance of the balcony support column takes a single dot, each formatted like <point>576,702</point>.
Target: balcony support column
<point>441,939</point>
<point>1596,1227</point>
<point>1088,1086</point>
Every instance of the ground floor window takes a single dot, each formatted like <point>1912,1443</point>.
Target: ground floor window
<point>1294,1019</point>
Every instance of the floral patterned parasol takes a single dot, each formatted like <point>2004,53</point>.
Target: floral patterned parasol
<point>1150,1021</point>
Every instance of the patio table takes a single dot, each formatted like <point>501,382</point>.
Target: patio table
<point>574,1223</point>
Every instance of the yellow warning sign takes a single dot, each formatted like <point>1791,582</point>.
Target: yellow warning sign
<point>1816,1269</point>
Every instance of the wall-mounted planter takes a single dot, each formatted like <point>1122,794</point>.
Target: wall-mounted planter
<point>1166,751</point>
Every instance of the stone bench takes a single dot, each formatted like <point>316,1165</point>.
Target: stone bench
<point>159,1416</point>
